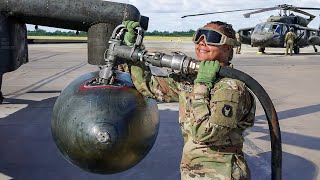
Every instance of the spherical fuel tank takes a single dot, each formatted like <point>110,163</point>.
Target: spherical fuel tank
<point>104,129</point>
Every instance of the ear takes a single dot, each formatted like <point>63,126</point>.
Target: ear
<point>226,48</point>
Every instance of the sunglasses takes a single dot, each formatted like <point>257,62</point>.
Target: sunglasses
<point>212,37</point>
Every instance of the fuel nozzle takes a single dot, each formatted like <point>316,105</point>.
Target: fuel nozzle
<point>118,50</point>
<point>179,62</point>
<point>106,71</point>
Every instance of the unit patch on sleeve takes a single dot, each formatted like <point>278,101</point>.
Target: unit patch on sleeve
<point>227,110</point>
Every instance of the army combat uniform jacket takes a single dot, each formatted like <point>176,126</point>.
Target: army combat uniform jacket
<point>290,36</point>
<point>212,121</point>
<point>289,40</point>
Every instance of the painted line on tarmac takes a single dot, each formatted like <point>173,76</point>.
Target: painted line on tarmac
<point>45,57</point>
<point>43,82</point>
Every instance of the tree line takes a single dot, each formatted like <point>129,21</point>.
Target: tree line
<point>41,32</point>
<point>171,34</point>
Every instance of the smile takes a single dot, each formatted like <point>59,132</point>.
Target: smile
<point>203,51</point>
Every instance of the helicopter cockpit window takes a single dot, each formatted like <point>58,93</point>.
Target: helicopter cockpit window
<point>277,28</point>
<point>284,30</point>
<point>264,27</point>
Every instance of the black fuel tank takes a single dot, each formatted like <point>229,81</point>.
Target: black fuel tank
<point>104,129</point>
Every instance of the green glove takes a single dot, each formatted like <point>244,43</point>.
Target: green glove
<point>207,72</point>
<point>130,36</point>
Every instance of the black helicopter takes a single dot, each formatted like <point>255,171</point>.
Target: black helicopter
<point>272,33</point>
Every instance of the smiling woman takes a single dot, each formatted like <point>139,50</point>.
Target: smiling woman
<point>213,111</point>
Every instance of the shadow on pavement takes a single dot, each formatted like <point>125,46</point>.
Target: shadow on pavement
<point>28,151</point>
<point>300,54</point>
<point>294,112</point>
<point>288,137</point>
<point>293,167</point>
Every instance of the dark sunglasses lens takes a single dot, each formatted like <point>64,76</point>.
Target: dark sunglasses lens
<point>211,36</point>
<point>198,35</point>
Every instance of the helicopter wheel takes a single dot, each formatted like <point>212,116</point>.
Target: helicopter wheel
<point>261,49</point>
<point>296,49</point>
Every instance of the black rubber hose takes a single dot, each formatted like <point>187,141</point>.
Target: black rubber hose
<point>271,114</point>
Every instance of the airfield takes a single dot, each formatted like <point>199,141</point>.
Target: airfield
<point>28,152</point>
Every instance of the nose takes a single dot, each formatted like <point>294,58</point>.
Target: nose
<point>202,42</point>
<point>261,40</point>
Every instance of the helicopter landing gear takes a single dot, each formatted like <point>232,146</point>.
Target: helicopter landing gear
<point>1,95</point>
<point>315,49</point>
<point>261,49</point>
<point>296,49</point>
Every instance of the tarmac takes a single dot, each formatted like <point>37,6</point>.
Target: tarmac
<point>28,151</point>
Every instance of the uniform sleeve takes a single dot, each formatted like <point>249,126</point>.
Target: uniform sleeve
<point>229,104</point>
<point>164,89</point>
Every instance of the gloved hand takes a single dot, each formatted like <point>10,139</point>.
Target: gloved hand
<point>207,72</point>
<point>130,36</point>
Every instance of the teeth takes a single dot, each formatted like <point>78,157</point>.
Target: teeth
<point>203,51</point>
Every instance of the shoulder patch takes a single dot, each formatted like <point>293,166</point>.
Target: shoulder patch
<point>227,110</point>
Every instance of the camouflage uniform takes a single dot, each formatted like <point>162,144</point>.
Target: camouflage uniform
<point>212,121</point>
<point>289,39</point>
<point>238,50</point>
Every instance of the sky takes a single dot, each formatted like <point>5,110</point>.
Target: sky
<point>165,15</point>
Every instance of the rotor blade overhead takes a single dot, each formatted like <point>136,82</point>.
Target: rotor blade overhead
<point>285,7</point>
<point>304,13</point>
<point>247,15</point>
<point>308,8</point>
<point>219,12</point>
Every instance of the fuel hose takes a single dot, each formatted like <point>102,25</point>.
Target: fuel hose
<point>270,112</point>
<point>187,65</point>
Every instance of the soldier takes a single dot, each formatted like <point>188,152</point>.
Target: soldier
<point>289,39</point>
<point>238,43</point>
<point>213,112</point>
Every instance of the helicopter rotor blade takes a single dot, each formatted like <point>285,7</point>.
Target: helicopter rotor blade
<point>304,13</point>
<point>308,8</point>
<point>284,7</point>
<point>218,12</point>
<point>260,10</point>
<point>247,15</point>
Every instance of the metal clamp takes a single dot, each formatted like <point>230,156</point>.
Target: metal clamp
<point>139,39</point>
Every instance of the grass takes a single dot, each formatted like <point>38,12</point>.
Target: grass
<point>146,38</point>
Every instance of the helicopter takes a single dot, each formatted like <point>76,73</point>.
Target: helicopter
<point>272,32</point>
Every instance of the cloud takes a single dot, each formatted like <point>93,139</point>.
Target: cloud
<point>165,15</point>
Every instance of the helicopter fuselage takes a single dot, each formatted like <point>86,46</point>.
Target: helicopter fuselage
<point>272,34</point>
<point>269,34</point>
